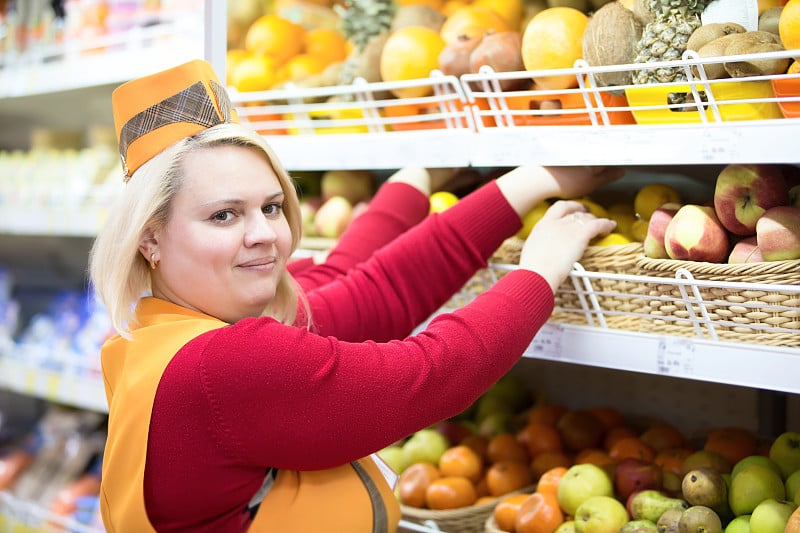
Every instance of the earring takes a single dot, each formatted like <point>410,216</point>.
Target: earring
<point>153,262</point>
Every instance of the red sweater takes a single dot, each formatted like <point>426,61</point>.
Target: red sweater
<point>260,394</point>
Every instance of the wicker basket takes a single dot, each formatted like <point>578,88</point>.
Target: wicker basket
<point>738,305</point>
<point>491,526</point>
<point>470,519</point>
<point>614,300</point>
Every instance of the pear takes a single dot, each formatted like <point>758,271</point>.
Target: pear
<point>650,504</point>
<point>668,521</point>
<point>706,486</point>
<point>699,519</point>
<point>639,526</point>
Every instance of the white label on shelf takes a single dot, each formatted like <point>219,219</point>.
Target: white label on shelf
<point>547,342</point>
<point>718,145</point>
<point>675,357</point>
<point>744,13</point>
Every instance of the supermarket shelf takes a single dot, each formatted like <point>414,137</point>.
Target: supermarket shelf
<point>21,516</point>
<point>77,221</point>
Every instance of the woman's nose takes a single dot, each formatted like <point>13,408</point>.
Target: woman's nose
<point>259,230</point>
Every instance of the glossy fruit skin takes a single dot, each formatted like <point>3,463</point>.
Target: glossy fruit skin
<point>450,492</point>
<point>503,477</point>
<point>553,39</point>
<point>413,483</point>
<point>506,510</point>
<point>461,461</point>
<point>411,53</point>
<point>539,513</point>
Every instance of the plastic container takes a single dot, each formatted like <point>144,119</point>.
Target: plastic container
<point>653,101</point>
<point>786,87</point>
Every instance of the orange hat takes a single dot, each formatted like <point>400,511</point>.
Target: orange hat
<point>156,111</point>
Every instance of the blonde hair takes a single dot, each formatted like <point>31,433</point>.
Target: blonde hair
<point>118,271</point>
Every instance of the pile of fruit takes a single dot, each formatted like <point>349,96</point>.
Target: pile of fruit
<point>754,216</point>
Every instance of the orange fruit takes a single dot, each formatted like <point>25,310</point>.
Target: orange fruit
<point>595,456</point>
<point>503,477</point>
<point>471,21</point>
<point>450,493</point>
<point>632,447</point>
<point>256,72</point>
<point>326,44</point>
<point>616,433</point>
<point>451,6</point>
<point>461,461</point>
<point>505,512</point>
<point>478,443</point>
<point>411,53</point>
<point>546,413</point>
<point>539,438</point>
<point>548,482</point>
<point>579,430</point>
<point>512,11</point>
<point>609,416</point>
<point>547,461</point>
<point>732,443</point>
<point>794,68</point>
<point>539,513</point>
<point>275,36</point>
<point>482,488</point>
<point>413,483</point>
<point>789,25</point>
<point>300,66</point>
<point>662,436</point>
<point>505,446</point>
<point>553,39</point>
<point>671,460</point>
<point>793,525</point>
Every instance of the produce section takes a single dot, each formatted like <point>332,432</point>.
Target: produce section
<point>619,311</point>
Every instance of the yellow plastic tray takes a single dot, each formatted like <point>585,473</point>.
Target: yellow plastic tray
<point>724,93</point>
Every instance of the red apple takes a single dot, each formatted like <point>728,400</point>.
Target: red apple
<point>746,251</point>
<point>333,217</point>
<point>744,192</point>
<point>778,233</point>
<point>454,430</point>
<point>633,475</point>
<point>656,228</point>
<point>696,234</point>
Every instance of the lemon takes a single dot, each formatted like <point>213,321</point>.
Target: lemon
<point>611,239</point>
<point>639,229</point>
<point>442,200</point>
<point>532,217</point>
<point>652,196</point>
<point>594,208</point>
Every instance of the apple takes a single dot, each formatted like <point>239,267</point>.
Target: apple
<point>741,464</point>
<point>633,474</point>
<point>785,451</point>
<point>454,430</point>
<point>740,524</point>
<point>354,185</point>
<point>743,193</point>
<point>425,446</point>
<point>308,210</point>
<point>771,516</point>
<point>696,234</point>
<point>745,251</point>
<point>654,247</point>
<point>579,483</point>
<point>394,457</point>
<point>751,486</point>
<point>333,217</point>
<point>792,486</point>
<point>513,390</point>
<point>778,233</point>
<point>600,514</point>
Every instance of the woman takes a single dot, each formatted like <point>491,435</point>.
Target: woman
<point>238,402</point>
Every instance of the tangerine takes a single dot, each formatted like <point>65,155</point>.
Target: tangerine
<point>616,433</point>
<point>579,430</point>
<point>609,416</point>
<point>663,436</point>
<point>547,461</point>
<point>595,456</point>
<point>539,513</point>
<point>505,512</point>
<point>275,36</point>
<point>553,39</point>
<point>482,488</point>
<point>732,443</point>
<point>461,461</point>
<point>478,443</point>
<point>450,492</point>
<point>632,447</point>
<point>471,21</point>
<point>411,53</point>
<point>414,481</point>
<point>538,437</point>
<point>789,25</point>
<point>671,460</point>
<point>505,446</point>
<point>326,44</point>
<point>548,482</point>
<point>546,413</point>
<point>503,477</point>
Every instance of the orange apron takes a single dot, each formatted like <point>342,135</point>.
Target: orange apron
<point>353,497</point>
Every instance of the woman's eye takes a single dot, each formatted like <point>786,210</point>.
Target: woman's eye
<point>272,209</point>
<point>222,216</point>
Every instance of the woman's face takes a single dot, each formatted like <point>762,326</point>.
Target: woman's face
<point>226,242</point>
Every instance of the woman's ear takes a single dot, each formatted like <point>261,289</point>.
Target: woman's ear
<point>148,245</point>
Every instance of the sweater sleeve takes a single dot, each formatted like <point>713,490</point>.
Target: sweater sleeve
<point>284,397</point>
<point>404,282</point>
<point>394,208</point>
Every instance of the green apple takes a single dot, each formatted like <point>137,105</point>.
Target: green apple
<point>755,459</point>
<point>426,445</point>
<point>394,457</point>
<point>567,526</point>
<point>579,483</point>
<point>511,389</point>
<point>792,486</point>
<point>600,514</point>
<point>492,405</point>
<point>771,516</point>
<point>740,524</point>
<point>751,486</point>
<point>785,451</point>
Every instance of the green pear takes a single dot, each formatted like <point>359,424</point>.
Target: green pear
<point>669,520</point>
<point>699,519</point>
<point>771,516</point>
<point>740,524</point>
<point>650,504</point>
<point>639,526</point>
<point>706,458</point>
<point>706,486</point>
<point>753,485</point>
<point>753,459</point>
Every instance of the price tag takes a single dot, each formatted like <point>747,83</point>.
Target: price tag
<point>744,12</point>
<point>675,357</point>
<point>547,343</point>
<point>718,145</point>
